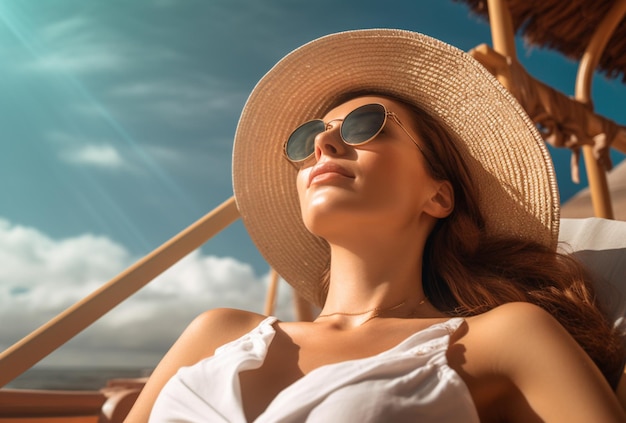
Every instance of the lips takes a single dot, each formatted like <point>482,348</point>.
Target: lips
<point>327,168</point>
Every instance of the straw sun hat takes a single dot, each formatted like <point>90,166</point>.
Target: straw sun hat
<point>506,156</point>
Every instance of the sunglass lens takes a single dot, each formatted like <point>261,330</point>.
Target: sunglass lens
<point>301,143</point>
<point>362,124</point>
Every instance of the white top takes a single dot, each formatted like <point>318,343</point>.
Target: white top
<point>409,382</point>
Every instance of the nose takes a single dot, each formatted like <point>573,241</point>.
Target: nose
<point>329,142</point>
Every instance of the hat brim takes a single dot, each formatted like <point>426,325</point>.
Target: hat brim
<point>505,153</point>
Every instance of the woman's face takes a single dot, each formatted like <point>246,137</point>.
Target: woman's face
<point>384,182</point>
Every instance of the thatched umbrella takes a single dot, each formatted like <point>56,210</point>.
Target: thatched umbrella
<point>566,26</point>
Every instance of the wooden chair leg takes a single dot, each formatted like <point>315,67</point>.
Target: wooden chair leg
<point>598,186</point>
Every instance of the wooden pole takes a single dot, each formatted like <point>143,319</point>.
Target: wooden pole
<point>598,186</point>
<point>270,300</point>
<point>503,37</point>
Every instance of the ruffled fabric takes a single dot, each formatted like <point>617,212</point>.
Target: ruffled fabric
<point>409,382</point>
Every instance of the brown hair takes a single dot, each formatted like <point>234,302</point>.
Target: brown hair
<point>466,271</point>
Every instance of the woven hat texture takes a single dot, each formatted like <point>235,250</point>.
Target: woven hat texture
<point>505,154</point>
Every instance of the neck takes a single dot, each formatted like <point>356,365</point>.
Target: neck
<point>374,274</point>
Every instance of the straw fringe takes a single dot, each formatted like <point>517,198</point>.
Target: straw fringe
<point>566,26</point>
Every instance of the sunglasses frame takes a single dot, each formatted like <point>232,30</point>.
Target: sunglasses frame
<point>387,113</point>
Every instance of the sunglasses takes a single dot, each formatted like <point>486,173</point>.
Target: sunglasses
<point>359,127</point>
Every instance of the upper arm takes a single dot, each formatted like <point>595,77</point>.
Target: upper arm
<point>201,338</point>
<point>554,378</point>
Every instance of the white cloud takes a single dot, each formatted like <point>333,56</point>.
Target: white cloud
<point>87,152</point>
<point>105,156</point>
<point>77,45</point>
<point>82,44</point>
<point>41,276</point>
<point>62,30</point>
<point>192,87</point>
<point>79,60</point>
<point>195,99</point>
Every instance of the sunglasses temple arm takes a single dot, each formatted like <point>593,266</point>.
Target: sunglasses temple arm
<point>395,118</point>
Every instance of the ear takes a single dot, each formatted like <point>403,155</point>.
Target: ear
<point>441,203</point>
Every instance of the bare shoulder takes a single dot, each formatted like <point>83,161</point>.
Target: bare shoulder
<point>514,321</point>
<point>207,332</point>
<point>515,335</point>
<point>216,327</point>
<point>201,338</point>
<point>516,313</point>
<point>544,374</point>
<point>498,342</point>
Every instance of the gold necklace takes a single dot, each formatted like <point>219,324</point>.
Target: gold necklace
<point>376,311</point>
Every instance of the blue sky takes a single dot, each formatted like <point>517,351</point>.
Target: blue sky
<point>117,122</point>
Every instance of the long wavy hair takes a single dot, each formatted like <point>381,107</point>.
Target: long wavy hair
<point>467,271</point>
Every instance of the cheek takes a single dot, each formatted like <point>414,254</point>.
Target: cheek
<point>399,183</point>
<point>301,182</point>
<point>389,174</point>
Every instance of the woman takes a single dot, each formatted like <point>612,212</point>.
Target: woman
<point>392,181</point>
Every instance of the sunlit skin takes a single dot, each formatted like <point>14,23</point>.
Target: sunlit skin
<point>375,204</point>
